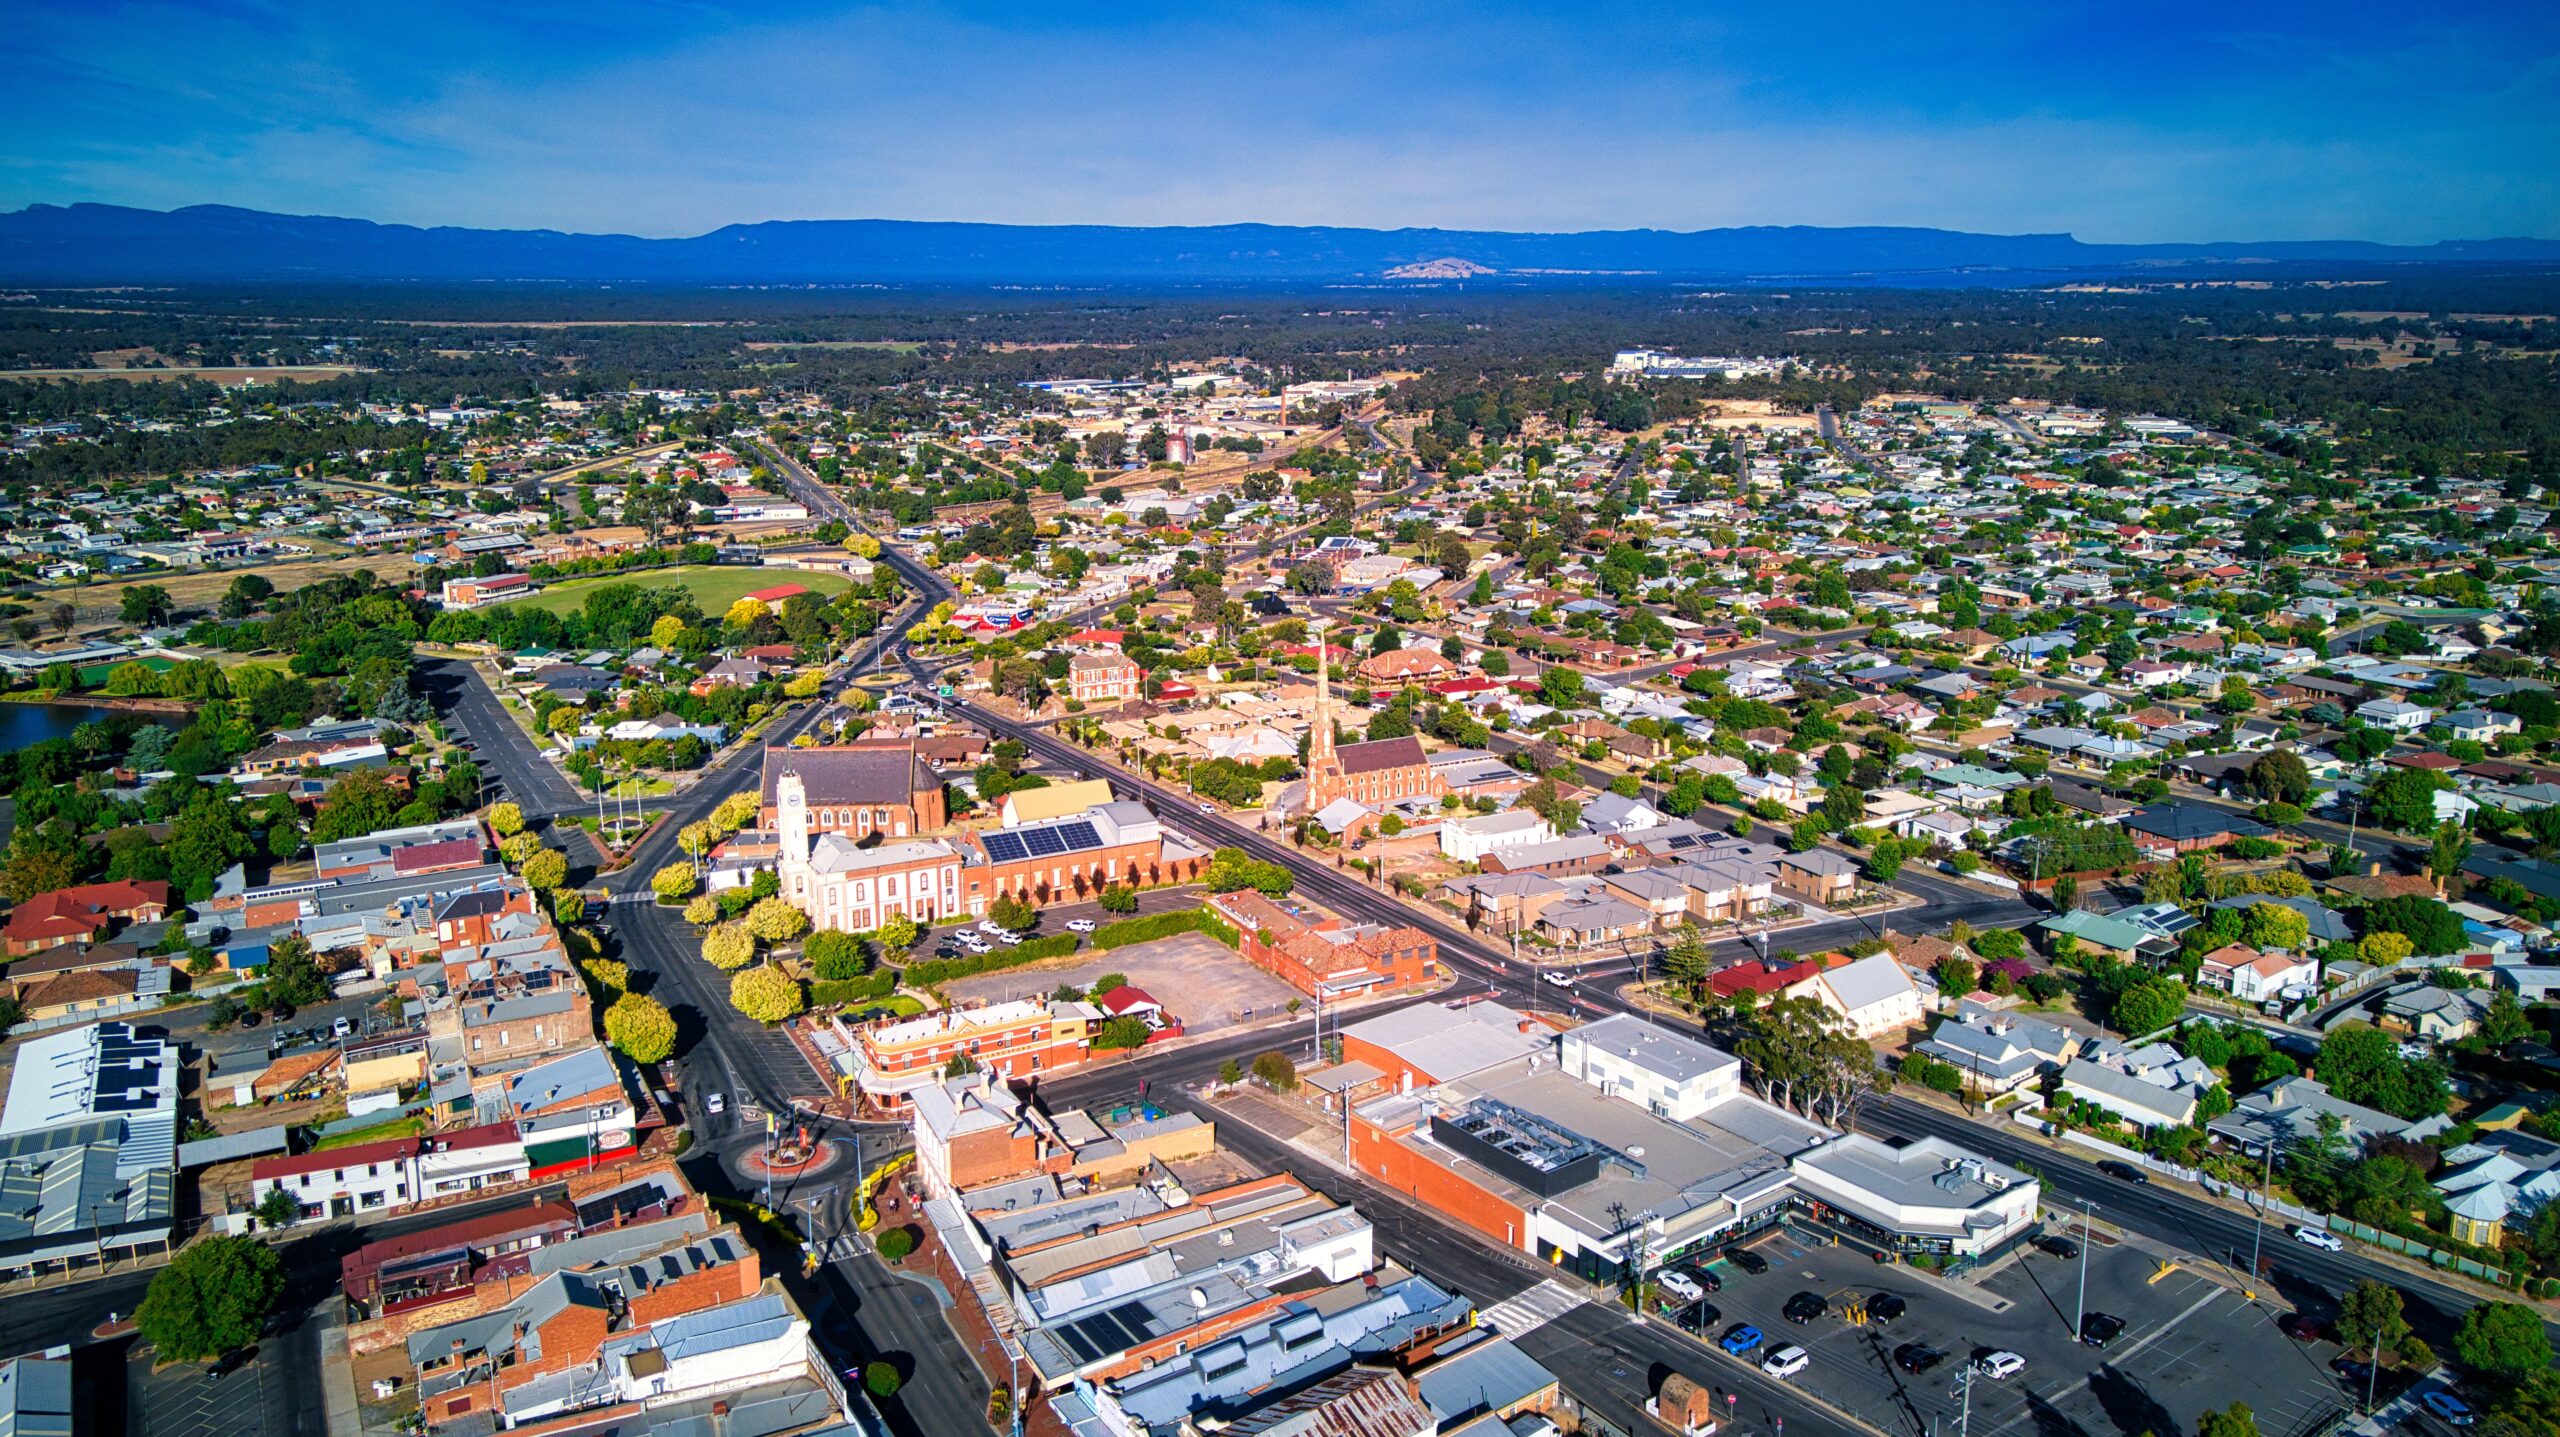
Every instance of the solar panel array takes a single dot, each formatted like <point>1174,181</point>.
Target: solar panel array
<point>1104,1333</point>
<point>1046,841</point>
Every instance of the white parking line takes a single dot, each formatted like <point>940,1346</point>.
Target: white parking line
<point>2060,1395</point>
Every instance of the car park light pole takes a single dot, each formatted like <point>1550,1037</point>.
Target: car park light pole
<point>2080,1319</point>
<point>2258,1228</point>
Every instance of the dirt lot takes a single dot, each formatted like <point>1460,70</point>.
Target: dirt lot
<point>1198,979</point>
<point>97,603</point>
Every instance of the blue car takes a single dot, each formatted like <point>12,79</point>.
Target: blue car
<point>1741,1339</point>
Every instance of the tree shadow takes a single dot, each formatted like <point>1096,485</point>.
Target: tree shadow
<point>2132,1409</point>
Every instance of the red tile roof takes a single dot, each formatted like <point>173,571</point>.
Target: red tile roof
<point>82,912</point>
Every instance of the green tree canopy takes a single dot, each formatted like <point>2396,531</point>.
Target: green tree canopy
<point>212,1299</point>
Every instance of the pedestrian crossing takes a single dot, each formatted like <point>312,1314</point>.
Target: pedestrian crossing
<point>1528,1311</point>
<point>839,1248</point>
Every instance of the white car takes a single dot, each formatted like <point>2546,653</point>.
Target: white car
<point>1679,1285</point>
<point>989,925</point>
<point>2454,1411</point>
<point>341,1028</point>
<point>715,1104</point>
<point>1787,1362</point>
<point>1558,980</point>
<point>1079,925</point>
<point>1208,808</point>
<point>2320,1238</point>
<point>2001,1366</point>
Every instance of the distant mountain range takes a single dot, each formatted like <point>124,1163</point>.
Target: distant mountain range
<point>96,244</point>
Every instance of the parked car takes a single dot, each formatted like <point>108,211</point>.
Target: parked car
<point>249,1018</point>
<point>715,1104</point>
<point>1804,1307</point>
<point>231,1362</point>
<point>1704,1277</point>
<point>2455,1411</point>
<point>341,1028</point>
<point>1885,1307</point>
<point>2097,1329</point>
<point>2123,1171</point>
<point>1676,1285</point>
<point>1079,925</point>
<point>1741,1338</point>
<point>2061,1247</point>
<point>2302,1327</point>
<point>1744,1258</point>
<point>1916,1358</point>
<point>2320,1238</point>
<point>1787,1362</point>
<point>1697,1317</point>
<point>2000,1366</point>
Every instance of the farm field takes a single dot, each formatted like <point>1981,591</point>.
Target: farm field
<point>715,589</point>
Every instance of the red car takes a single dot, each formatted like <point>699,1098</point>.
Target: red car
<point>2302,1327</point>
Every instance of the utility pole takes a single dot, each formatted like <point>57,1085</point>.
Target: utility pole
<point>2258,1230</point>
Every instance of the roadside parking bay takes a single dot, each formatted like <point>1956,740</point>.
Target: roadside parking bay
<point>2189,1345</point>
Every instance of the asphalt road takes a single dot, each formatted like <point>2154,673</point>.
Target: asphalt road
<point>470,709</point>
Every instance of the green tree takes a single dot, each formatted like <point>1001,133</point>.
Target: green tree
<point>506,819</point>
<point>214,1298</point>
<point>766,993</point>
<point>879,1378</point>
<point>729,946</point>
<point>2430,927</point>
<point>2447,851</point>
<point>2503,1341</point>
<point>1957,977</point>
<point>546,869</point>
<point>2148,1007</point>
<point>1011,912</point>
<point>2273,925</point>
<point>1119,898</point>
<point>1560,687</point>
<point>1276,1072</point>
<point>278,1209</point>
<point>2066,893</point>
<point>145,604</point>
<point>2405,799</point>
<point>2369,1317</point>
<point>294,974</point>
<point>2233,1421</point>
<point>900,933</point>
<point>674,882</point>
<point>775,921</point>
<point>640,1028</point>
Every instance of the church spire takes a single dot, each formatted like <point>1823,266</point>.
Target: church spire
<point>1320,741</point>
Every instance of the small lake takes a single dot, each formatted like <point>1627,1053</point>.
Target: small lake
<point>25,724</point>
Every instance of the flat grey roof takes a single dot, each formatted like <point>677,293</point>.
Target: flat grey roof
<point>1658,1050</point>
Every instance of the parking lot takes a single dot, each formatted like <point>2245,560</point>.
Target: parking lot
<point>2189,1344</point>
<point>1197,978</point>
<point>180,1401</point>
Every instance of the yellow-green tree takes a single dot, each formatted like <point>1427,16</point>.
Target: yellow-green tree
<point>703,911</point>
<point>775,921</point>
<point>506,820</point>
<point>804,686</point>
<point>640,1028</point>
<point>667,632</point>
<point>697,838</point>
<point>547,869</point>
<point>738,810</point>
<point>516,848</point>
<point>863,546</point>
<point>746,611</point>
<point>674,881</point>
<point>729,946</point>
<point>2382,949</point>
<point>766,993</point>
<point>565,719</point>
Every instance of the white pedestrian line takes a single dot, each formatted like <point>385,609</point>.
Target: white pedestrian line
<point>2057,1397</point>
<point>1528,1311</point>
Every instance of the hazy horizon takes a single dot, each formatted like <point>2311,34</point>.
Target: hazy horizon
<point>2196,124</point>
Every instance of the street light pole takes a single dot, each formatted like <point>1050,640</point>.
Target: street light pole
<point>2258,1228</point>
<point>2080,1318</point>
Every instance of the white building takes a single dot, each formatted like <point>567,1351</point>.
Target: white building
<point>1675,1077</point>
<point>1468,840</point>
<point>852,889</point>
<point>1928,1189</point>
<point>1874,995</point>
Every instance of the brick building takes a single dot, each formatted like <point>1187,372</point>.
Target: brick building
<point>82,914</point>
<point>1372,774</point>
<point>845,886</point>
<point>1075,856</point>
<point>859,789</point>
<point>1103,678</point>
<point>1324,957</point>
<point>1017,1041</point>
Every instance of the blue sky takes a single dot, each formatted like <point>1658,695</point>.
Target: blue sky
<point>2142,122</point>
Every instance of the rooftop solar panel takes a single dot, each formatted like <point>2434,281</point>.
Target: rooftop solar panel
<point>1078,836</point>
<point>1003,847</point>
<point>1043,842</point>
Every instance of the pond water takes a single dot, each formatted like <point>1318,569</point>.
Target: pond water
<point>24,724</point>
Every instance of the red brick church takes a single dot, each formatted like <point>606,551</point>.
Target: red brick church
<point>1372,774</point>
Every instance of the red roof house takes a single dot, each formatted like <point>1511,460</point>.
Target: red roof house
<point>82,914</point>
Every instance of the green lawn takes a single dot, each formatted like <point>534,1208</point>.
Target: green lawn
<point>715,589</point>
<point>408,1127</point>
